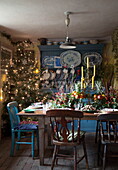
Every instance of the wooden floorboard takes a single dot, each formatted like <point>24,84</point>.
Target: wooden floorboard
<point>22,159</point>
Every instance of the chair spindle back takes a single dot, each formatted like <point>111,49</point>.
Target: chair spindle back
<point>65,124</point>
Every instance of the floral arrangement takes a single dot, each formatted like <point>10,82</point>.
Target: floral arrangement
<point>75,98</point>
<point>60,99</point>
<point>109,100</point>
<point>98,98</point>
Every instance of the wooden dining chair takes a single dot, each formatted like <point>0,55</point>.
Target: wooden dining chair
<point>108,136</point>
<point>65,125</point>
<point>98,130</point>
<point>22,130</point>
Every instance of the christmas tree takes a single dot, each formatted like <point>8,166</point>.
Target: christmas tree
<point>23,80</point>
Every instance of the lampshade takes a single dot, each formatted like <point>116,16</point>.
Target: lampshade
<point>68,44</point>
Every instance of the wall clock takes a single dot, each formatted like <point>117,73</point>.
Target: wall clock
<point>70,58</point>
<point>94,58</point>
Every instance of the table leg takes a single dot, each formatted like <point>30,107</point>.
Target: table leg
<point>97,130</point>
<point>41,138</point>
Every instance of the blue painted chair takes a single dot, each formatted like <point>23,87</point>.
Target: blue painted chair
<point>19,129</point>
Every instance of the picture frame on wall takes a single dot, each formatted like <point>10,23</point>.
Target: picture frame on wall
<point>6,58</point>
<point>57,62</point>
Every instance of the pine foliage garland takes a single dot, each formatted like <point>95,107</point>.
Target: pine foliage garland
<point>115,50</point>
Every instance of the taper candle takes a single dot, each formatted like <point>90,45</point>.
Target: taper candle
<point>92,82</point>
<point>87,62</point>
<point>81,83</point>
<point>82,72</point>
<point>94,70</point>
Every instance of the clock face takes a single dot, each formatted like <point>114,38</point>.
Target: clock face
<point>70,58</point>
<point>94,58</point>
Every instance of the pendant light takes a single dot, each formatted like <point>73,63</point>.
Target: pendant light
<point>67,44</point>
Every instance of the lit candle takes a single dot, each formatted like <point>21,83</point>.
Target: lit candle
<point>82,72</point>
<point>1,97</point>
<point>4,77</point>
<point>94,70</point>
<point>87,62</point>
<point>92,82</point>
<point>36,71</point>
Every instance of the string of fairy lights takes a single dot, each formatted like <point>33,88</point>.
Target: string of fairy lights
<point>21,78</point>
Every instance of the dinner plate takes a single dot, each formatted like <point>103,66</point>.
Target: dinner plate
<point>52,75</point>
<point>46,75</point>
<point>70,58</point>
<point>58,74</point>
<point>48,61</point>
<point>109,110</point>
<point>94,58</point>
<point>29,110</point>
<point>37,107</point>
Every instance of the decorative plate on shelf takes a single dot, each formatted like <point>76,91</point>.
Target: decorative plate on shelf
<point>94,58</point>
<point>46,75</point>
<point>52,75</point>
<point>70,58</point>
<point>48,61</point>
<point>58,74</point>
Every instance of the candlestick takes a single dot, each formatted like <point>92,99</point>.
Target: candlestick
<point>87,62</point>
<point>94,70</point>
<point>92,82</point>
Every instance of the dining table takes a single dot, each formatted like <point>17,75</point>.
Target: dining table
<point>40,114</point>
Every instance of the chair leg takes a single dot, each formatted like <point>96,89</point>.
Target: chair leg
<point>98,152</point>
<point>75,158</point>
<point>12,144</point>
<point>37,137</point>
<point>54,156</point>
<point>104,156</point>
<point>33,144</point>
<point>97,129</point>
<point>57,151</point>
<point>19,137</point>
<point>85,153</point>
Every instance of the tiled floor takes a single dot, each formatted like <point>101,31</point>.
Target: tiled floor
<point>23,160</point>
